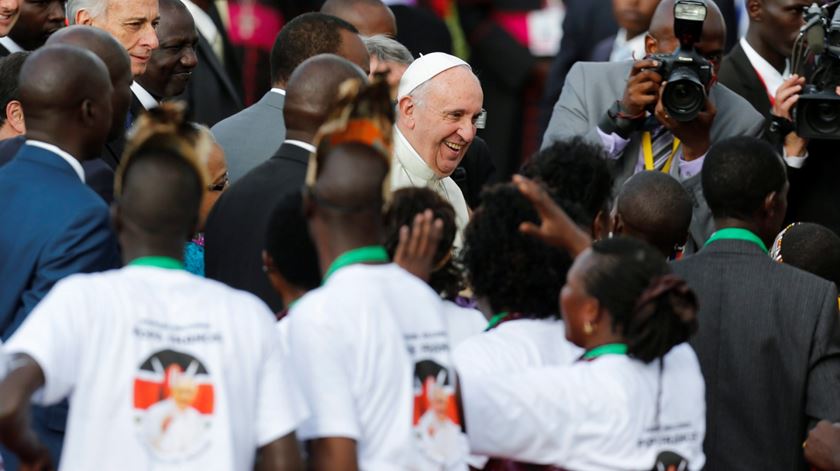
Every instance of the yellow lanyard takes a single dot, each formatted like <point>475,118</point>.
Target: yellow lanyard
<point>647,148</point>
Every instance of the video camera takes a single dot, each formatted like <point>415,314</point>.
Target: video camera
<point>687,72</point>
<point>817,113</point>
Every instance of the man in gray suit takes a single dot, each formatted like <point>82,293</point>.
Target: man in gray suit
<point>253,135</point>
<point>600,102</point>
<point>768,342</point>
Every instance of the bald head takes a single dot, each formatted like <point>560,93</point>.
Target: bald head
<point>313,88</point>
<point>65,92</point>
<point>654,207</point>
<point>370,17</point>
<point>111,52</point>
<point>350,176</point>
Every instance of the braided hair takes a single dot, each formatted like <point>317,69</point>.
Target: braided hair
<point>653,308</point>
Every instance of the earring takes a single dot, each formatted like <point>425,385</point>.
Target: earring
<point>588,329</point>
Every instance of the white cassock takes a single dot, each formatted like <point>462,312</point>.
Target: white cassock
<point>408,169</point>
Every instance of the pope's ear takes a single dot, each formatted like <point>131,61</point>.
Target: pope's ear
<point>407,107</point>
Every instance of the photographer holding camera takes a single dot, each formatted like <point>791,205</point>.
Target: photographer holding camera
<point>669,111</point>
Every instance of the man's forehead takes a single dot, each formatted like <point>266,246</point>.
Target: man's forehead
<point>133,9</point>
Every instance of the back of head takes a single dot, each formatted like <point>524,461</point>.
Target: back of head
<point>513,271</point>
<point>349,182</point>
<point>160,182</point>
<point>99,42</point>
<point>66,92</point>
<point>289,244</point>
<point>810,247</point>
<point>738,174</point>
<point>405,205</point>
<point>9,80</point>
<point>574,170</point>
<point>313,89</point>
<point>370,17</point>
<point>305,36</point>
<point>652,308</point>
<point>656,208</point>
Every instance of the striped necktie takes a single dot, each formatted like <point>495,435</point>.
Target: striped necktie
<point>662,145</point>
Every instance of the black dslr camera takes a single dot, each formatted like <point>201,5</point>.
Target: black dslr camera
<point>817,113</point>
<point>687,72</point>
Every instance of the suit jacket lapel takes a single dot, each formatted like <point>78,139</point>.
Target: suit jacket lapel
<point>207,54</point>
<point>752,88</point>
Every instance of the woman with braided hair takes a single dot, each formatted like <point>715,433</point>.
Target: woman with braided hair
<point>637,391</point>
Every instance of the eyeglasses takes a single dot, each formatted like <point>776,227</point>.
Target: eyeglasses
<point>220,186</point>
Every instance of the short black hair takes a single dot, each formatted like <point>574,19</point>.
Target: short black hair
<point>514,271</point>
<point>10,80</point>
<point>738,174</point>
<point>305,36</point>
<point>288,242</point>
<point>657,208</point>
<point>652,308</point>
<point>575,170</point>
<point>813,248</point>
<point>405,205</point>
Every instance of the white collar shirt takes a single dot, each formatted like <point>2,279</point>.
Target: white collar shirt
<point>77,167</point>
<point>146,99</point>
<point>11,45</point>
<point>627,49</point>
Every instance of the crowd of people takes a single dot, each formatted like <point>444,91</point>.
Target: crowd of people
<point>360,271</point>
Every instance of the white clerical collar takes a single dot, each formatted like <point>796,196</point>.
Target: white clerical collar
<point>411,160</point>
<point>11,45</point>
<point>769,75</point>
<point>301,144</point>
<point>77,167</point>
<point>146,99</point>
<point>203,22</point>
<point>278,90</point>
<point>624,49</point>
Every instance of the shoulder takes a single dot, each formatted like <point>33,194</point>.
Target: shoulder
<point>737,108</point>
<point>602,71</point>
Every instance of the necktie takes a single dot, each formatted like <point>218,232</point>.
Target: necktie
<point>663,146</point>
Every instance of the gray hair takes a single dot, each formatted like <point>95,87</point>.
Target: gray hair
<point>95,8</point>
<point>388,50</point>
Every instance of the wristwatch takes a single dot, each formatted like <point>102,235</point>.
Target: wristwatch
<point>615,120</point>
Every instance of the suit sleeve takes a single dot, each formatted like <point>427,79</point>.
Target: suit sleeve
<point>570,113</point>
<point>824,362</point>
<point>87,245</point>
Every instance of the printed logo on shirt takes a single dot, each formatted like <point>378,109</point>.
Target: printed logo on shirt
<point>436,423</point>
<point>173,404</point>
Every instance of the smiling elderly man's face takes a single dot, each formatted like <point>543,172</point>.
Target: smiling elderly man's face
<point>441,125</point>
<point>133,24</point>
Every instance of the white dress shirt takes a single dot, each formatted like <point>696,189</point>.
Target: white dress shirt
<point>146,99</point>
<point>77,167</point>
<point>627,49</point>
<point>11,45</point>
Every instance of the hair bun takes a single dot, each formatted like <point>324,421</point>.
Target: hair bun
<point>666,310</point>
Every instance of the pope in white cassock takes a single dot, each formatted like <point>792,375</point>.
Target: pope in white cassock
<point>438,103</point>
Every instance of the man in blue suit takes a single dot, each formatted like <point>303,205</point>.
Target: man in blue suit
<point>53,225</point>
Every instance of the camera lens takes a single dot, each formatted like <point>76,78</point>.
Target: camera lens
<point>824,116</point>
<point>684,94</point>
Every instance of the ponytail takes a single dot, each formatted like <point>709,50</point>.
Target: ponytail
<point>664,316</point>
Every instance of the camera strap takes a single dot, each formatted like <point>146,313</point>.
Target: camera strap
<point>647,148</point>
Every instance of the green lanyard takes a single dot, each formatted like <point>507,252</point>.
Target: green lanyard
<point>607,349</point>
<point>374,253</point>
<point>496,320</point>
<point>168,263</point>
<point>738,234</point>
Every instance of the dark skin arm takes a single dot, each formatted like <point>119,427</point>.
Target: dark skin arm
<point>280,455</point>
<point>556,228</point>
<point>15,429</point>
<point>332,454</point>
<point>822,449</point>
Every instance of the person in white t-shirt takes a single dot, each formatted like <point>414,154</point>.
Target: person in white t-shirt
<point>625,403</point>
<point>368,345</point>
<point>433,263</point>
<point>163,369</point>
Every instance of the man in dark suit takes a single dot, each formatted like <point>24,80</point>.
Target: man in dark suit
<point>99,173</point>
<point>618,105</point>
<point>38,20</point>
<point>251,136</point>
<point>236,228</point>
<point>60,226</point>
<point>769,339</point>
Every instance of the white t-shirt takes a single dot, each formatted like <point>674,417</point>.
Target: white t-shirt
<point>514,345</point>
<point>371,353</point>
<point>591,415</point>
<point>164,370</point>
<point>462,322</point>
